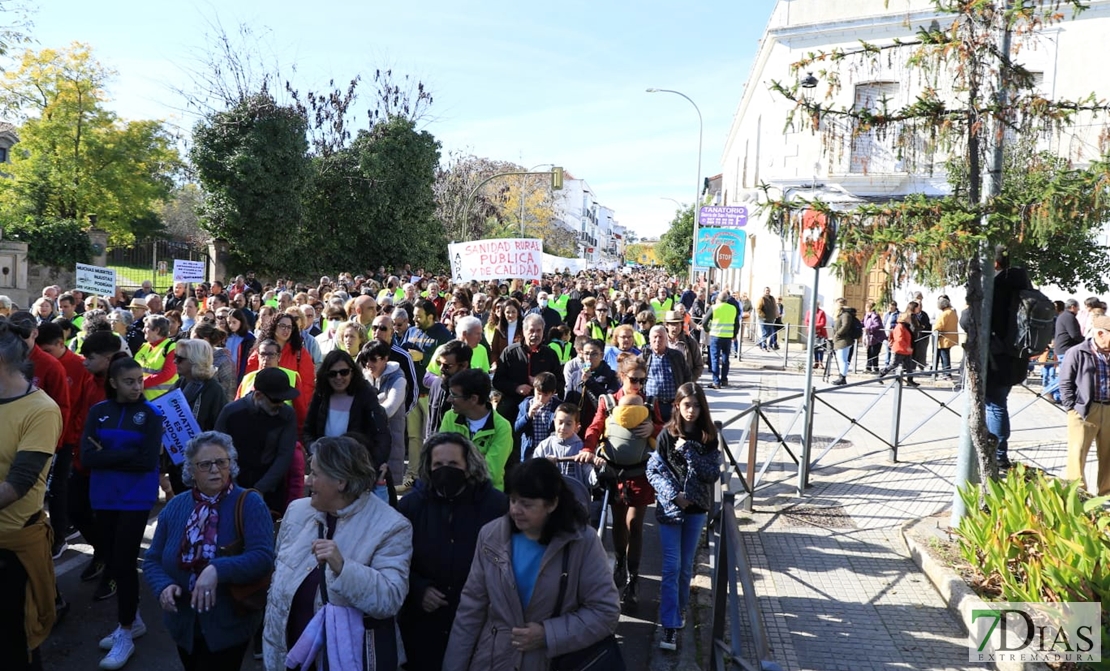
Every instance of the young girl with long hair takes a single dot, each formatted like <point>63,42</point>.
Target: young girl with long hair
<point>120,448</point>
<point>682,469</point>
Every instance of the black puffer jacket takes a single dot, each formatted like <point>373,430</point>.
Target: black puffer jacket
<point>367,417</point>
<point>444,536</point>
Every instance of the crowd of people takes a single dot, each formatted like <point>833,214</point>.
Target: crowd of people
<point>409,466</point>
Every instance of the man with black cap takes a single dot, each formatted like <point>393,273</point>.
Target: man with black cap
<point>264,430</point>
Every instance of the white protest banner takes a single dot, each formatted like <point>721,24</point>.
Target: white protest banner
<point>557,264</point>
<point>496,259</point>
<point>96,280</point>
<point>178,422</point>
<point>188,271</point>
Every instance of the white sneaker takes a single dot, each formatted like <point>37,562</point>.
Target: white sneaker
<point>121,651</point>
<point>138,628</point>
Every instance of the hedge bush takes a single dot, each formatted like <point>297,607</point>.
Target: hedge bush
<point>59,243</point>
<point>1039,538</point>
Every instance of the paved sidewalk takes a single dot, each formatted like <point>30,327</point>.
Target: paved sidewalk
<point>835,582</point>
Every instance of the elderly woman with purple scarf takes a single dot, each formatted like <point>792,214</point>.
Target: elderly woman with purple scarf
<point>199,550</point>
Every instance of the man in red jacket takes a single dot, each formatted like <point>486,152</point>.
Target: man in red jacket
<point>51,340</point>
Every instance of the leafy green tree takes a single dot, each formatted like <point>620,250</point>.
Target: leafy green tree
<point>60,243</point>
<point>676,246</point>
<point>75,157</point>
<point>252,161</point>
<point>372,203</point>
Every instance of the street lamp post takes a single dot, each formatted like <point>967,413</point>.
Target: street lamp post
<point>697,191</point>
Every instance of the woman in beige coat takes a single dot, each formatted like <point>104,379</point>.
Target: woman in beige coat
<point>506,617</point>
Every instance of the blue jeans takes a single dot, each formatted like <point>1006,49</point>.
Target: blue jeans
<point>680,544</point>
<point>842,359</point>
<point>998,415</point>
<point>718,358</point>
<point>1050,380</point>
<point>769,339</point>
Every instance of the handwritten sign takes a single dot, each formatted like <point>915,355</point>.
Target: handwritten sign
<point>178,422</point>
<point>96,280</point>
<point>188,271</point>
<point>497,259</point>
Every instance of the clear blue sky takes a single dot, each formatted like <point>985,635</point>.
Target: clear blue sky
<point>535,82</point>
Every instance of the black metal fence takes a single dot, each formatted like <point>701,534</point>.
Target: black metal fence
<point>153,260</point>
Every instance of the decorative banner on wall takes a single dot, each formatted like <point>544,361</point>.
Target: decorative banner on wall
<point>557,264</point>
<point>720,248</point>
<point>496,259</point>
<point>188,271</point>
<point>179,424</point>
<point>96,280</point>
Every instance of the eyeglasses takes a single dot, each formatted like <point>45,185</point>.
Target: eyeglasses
<point>642,321</point>
<point>380,327</point>
<point>204,466</point>
<point>638,380</point>
<point>454,395</point>
<point>342,372</point>
<point>284,325</point>
<point>268,354</point>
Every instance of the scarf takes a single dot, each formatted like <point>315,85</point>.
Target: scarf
<point>198,543</point>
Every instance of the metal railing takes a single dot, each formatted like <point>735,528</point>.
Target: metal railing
<point>890,432</point>
<point>734,598</point>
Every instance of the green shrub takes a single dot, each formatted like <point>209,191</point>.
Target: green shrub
<point>60,243</point>
<point>1039,539</point>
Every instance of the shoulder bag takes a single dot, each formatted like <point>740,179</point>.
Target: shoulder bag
<point>246,597</point>
<point>605,655</point>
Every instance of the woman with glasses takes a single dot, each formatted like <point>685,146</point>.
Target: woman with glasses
<point>634,493</point>
<point>345,402</point>
<point>199,551</point>
<point>623,339</point>
<point>294,356</point>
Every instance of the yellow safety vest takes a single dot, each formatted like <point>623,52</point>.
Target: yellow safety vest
<point>723,322</point>
<point>560,305</point>
<point>661,309</point>
<point>562,349</point>
<point>152,360</point>
<point>479,358</point>
<point>639,339</point>
<point>247,385</point>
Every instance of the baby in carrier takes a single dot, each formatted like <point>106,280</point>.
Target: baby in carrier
<point>624,450</point>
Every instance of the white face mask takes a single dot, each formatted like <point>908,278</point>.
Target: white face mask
<point>543,302</point>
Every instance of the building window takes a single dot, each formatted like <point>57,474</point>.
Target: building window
<point>872,152</point>
<point>3,154</point>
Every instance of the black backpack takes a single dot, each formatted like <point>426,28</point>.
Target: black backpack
<point>855,332</point>
<point>1032,326</point>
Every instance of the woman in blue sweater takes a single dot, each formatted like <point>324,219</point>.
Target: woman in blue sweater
<point>120,447</point>
<point>198,551</point>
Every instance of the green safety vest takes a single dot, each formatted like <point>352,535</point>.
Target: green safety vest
<point>560,305</point>
<point>723,322</point>
<point>152,360</point>
<point>562,349</point>
<point>247,385</point>
<point>661,309</point>
<point>639,339</point>
<point>479,358</point>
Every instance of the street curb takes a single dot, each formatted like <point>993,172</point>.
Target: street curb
<point>961,600</point>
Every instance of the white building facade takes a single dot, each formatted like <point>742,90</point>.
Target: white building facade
<point>599,235</point>
<point>798,161</point>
